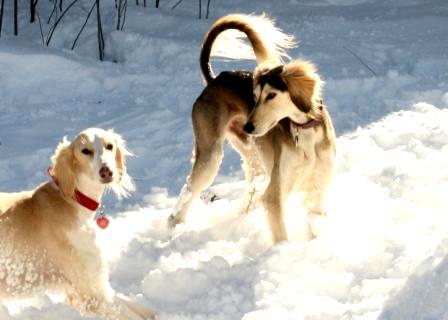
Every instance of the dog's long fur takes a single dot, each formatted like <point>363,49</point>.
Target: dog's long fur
<point>47,239</point>
<point>255,112</point>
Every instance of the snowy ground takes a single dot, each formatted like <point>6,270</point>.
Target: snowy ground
<point>383,251</point>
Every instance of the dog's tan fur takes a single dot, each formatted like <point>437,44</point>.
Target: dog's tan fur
<point>226,106</point>
<point>47,241</point>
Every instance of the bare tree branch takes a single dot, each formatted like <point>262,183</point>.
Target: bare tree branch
<point>40,27</point>
<point>361,61</point>
<point>54,11</point>
<point>176,4</point>
<point>53,28</point>
<point>83,26</point>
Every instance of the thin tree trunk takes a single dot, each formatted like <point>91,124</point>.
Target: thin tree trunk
<point>119,14</point>
<point>32,11</point>
<point>144,3</point>
<point>208,9</point>
<point>1,15</point>
<point>157,3</point>
<point>100,31</point>
<point>16,18</point>
<point>122,9</point>
<point>125,10</point>
<point>60,5</point>
<point>136,2</point>
<point>200,9</point>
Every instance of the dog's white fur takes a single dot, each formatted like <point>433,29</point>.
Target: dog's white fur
<point>302,160</point>
<point>47,239</point>
<point>283,95</point>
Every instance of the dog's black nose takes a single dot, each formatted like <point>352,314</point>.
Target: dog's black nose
<point>105,172</point>
<point>249,127</point>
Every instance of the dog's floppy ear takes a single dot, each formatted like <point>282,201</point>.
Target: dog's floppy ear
<point>304,84</point>
<point>125,183</point>
<point>64,167</point>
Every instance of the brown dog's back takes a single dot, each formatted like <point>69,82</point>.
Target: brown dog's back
<point>9,199</point>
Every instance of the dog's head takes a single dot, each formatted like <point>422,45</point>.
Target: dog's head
<point>97,155</point>
<point>287,91</point>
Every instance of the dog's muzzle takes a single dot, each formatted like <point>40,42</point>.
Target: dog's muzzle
<point>249,127</point>
<point>106,174</point>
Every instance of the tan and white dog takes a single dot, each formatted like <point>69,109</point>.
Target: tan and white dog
<point>274,118</point>
<point>47,236</point>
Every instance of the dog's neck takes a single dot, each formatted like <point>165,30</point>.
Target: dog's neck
<point>296,129</point>
<point>92,189</point>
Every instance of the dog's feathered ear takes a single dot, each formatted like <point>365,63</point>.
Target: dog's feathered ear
<point>304,85</point>
<point>125,183</point>
<point>64,167</point>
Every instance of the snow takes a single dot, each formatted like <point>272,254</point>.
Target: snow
<point>381,254</point>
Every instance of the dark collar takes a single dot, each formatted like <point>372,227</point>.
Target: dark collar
<point>311,123</point>
<point>307,125</point>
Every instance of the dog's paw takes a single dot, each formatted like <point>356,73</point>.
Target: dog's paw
<point>318,224</point>
<point>131,310</point>
<point>173,221</point>
<point>209,197</point>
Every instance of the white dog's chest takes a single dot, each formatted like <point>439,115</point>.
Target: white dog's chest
<point>84,243</point>
<point>298,163</point>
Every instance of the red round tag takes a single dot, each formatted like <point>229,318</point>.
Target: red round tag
<point>102,222</point>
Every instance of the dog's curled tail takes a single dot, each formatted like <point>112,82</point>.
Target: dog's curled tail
<point>268,42</point>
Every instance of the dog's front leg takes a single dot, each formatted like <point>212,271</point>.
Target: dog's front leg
<point>273,203</point>
<point>315,204</point>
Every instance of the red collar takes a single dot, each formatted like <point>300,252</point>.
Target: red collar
<point>79,197</point>
<point>85,201</point>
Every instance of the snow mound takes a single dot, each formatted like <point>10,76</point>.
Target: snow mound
<point>386,216</point>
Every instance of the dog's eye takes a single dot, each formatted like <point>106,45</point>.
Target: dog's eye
<point>86,151</point>
<point>109,146</point>
<point>270,96</point>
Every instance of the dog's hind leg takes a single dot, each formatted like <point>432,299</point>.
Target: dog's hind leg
<point>142,312</point>
<point>206,162</point>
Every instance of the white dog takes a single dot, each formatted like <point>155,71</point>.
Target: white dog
<point>47,236</point>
